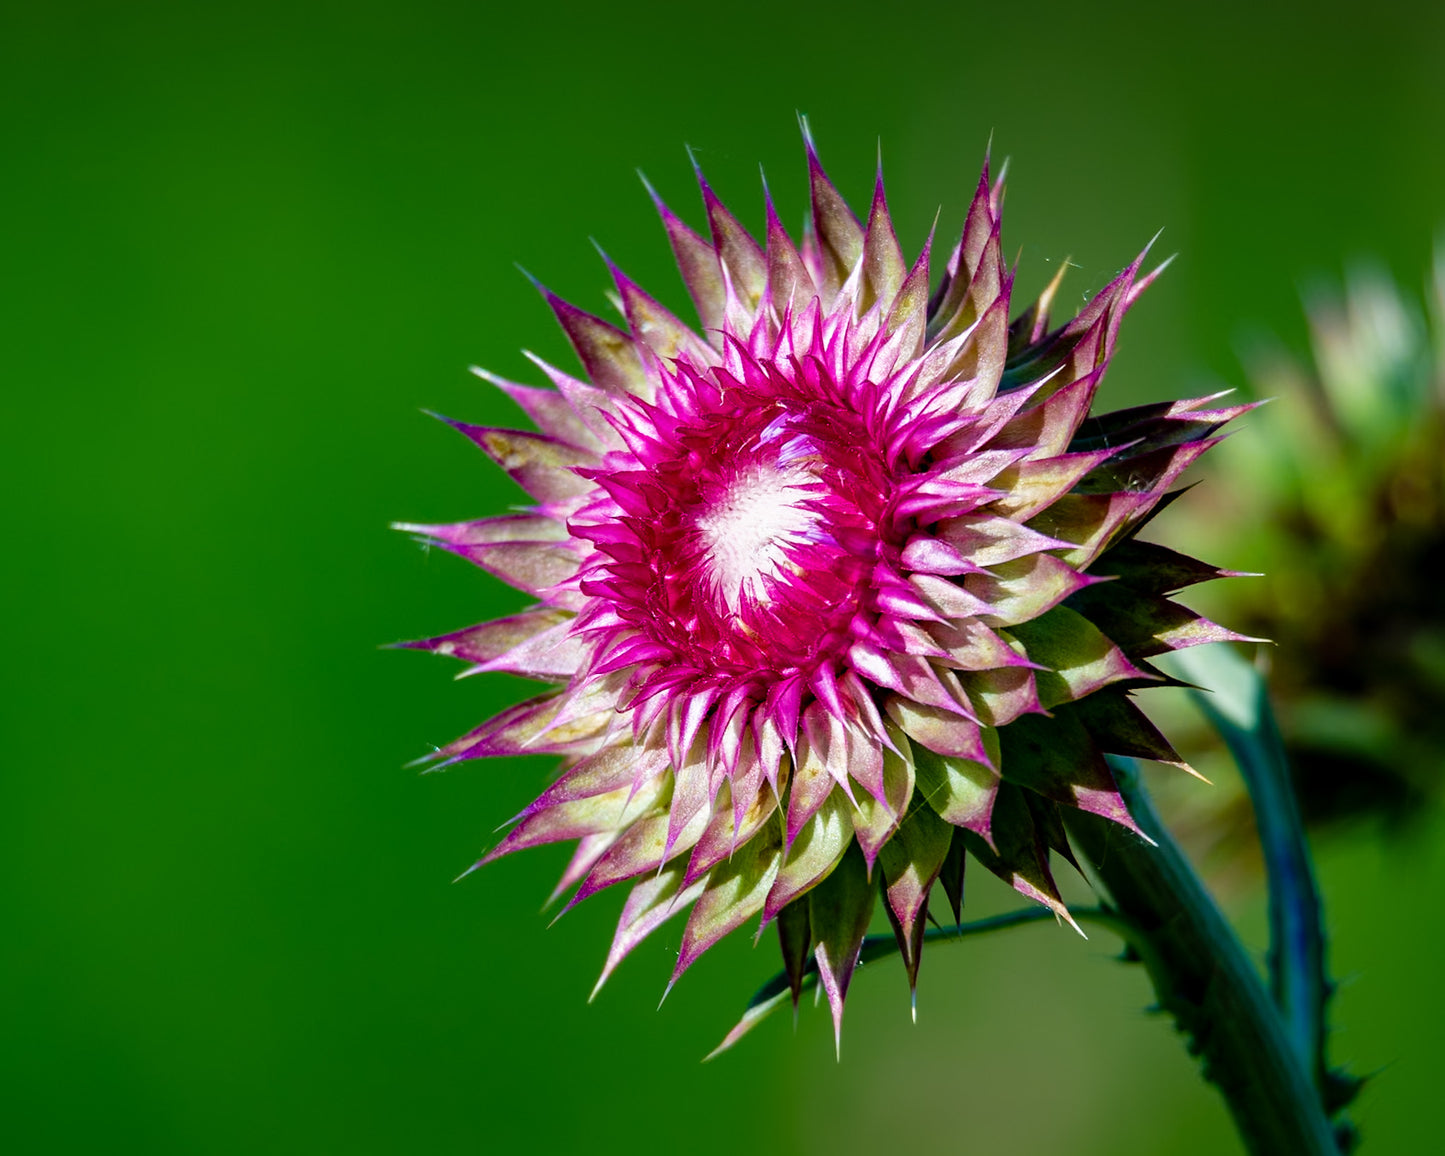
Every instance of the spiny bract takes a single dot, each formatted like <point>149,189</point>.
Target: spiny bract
<point>832,590</point>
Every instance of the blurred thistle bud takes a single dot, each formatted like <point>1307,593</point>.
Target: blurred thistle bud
<point>1336,493</point>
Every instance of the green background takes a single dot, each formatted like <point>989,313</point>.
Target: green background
<point>244,245</point>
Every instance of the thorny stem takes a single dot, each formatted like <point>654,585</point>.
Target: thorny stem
<point>1205,979</point>
<point>1239,710</point>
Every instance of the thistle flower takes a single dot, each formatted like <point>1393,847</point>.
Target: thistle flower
<point>1342,503</point>
<point>833,590</point>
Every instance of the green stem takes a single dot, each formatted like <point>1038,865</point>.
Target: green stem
<point>1205,979</point>
<point>1239,710</point>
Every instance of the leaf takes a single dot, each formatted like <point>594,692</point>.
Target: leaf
<point>541,465</point>
<point>1155,569</point>
<point>490,640</point>
<point>1023,589</point>
<point>608,355</point>
<point>1033,486</point>
<point>942,732</point>
<point>1002,695</point>
<point>951,876</point>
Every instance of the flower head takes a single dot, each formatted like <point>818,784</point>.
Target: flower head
<point>833,590</point>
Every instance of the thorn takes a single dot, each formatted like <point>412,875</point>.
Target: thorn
<point>807,132</point>
<point>601,252</point>
<point>443,418</point>
<point>666,992</point>
<point>1062,913</point>
<point>421,761</point>
<point>485,375</point>
<point>653,193</point>
<point>1190,770</point>
<point>469,870</point>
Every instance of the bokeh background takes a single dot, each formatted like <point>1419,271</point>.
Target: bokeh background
<point>243,245</point>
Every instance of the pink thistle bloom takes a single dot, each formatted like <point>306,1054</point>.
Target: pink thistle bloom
<point>832,591</point>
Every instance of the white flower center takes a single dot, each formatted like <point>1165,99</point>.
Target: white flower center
<point>748,528</point>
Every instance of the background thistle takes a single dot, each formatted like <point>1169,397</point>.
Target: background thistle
<point>1338,497</point>
<point>837,589</point>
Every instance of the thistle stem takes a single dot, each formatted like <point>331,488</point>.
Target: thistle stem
<point>1238,708</point>
<point>1205,979</point>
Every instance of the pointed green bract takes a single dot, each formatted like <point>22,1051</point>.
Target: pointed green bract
<point>911,862</point>
<point>839,911</point>
<point>1078,657</point>
<point>814,853</point>
<point>960,791</point>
